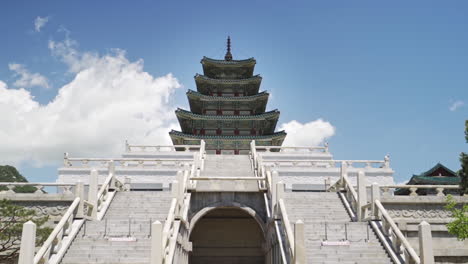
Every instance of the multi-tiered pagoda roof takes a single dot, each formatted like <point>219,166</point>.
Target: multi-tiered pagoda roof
<point>227,110</point>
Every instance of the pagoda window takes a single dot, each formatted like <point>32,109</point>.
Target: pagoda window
<point>220,94</point>
<point>236,152</point>
<point>202,131</point>
<point>236,94</point>
<point>219,112</point>
<point>218,152</point>
<point>236,112</point>
<point>194,131</point>
<point>253,132</point>
<point>218,131</point>
<point>236,132</point>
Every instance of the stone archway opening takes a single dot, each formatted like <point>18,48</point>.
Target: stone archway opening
<point>229,236</point>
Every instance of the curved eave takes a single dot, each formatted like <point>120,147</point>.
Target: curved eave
<point>199,78</point>
<point>277,135</point>
<point>184,114</point>
<point>232,63</point>
<point>201,97</point>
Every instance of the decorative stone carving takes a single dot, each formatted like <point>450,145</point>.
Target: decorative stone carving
<point>419,213</point>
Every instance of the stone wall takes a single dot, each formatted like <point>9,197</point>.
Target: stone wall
<point>409,211</point>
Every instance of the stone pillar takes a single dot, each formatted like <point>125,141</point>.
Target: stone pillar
<point>299,243</point>
<point>79,192</point>
<point>93,191</point>
<point>375,195</point>
<point>127,184</point>
<point>156,243</point>
<point>362,195</point>
<point>274,199</point>
<point>28,243</point>
<point>343,172</point>
<point>426,252</point>
<point>111,169</point>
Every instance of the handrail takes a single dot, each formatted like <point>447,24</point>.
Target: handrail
<point>350,189</point>
<point>57,234</point>
<point>397,232</point>
<point>287,226</point>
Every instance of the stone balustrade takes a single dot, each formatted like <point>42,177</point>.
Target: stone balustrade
<point>388,190</point>
<point>122,162</point>
<point>292,149</point>
<point>161,148</point>
<point>61,187</point>
<point>328,163</point>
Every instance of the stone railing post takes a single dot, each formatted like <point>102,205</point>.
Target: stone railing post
<point>362,195</point>
<point>375,195</point>
<point>93,191</point>
<point>299,243</point>
<point>156,243</point>
<point>426,252</point>
<point>111,169</point>
<point>274,181</point>
<point>343,172</point>
<point>127,146</point>
<point>80,192</point>
<point>28,243</point>
<point>127,183</point>
<point>279,195</point>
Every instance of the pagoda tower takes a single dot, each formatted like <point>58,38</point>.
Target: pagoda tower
<point>227,110</point>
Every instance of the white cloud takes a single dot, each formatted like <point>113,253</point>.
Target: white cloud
<point>40,22</point>
<point>110,99</point>
<point>455,105</point>
<point>27,79</point>
<point>308,134</point>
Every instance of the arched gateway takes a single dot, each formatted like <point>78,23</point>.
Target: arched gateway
<point>227,235</point>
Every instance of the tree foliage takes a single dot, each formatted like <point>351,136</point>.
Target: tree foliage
<point>464,166</point>
<point>459,226</point>
<point>11,174</point>
<point>12,218</point>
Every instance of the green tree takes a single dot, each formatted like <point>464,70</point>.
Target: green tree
<point>12,218</point>
<point>459,226</point>
<point>464,166</point>
<point>11,174</point>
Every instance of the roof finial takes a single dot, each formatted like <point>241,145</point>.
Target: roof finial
<point>228,55</point>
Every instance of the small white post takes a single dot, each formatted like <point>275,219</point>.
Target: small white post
<point>127,146</point>
<point>362,195</point>
<point>327,183</point>
<point>343,172</point>
<point>28,243</point>
<point>274,199</point>
<point>80,192</point>
<point>299,243</point>
<point>180,191</point>
<point>175,189</point>
<point>127,183</point>
<point>425,243</point>
<point>92,192</point>
<point>111,169</point>
<point>279,195</point>
<point>375,195</point>
<point>156,243</point>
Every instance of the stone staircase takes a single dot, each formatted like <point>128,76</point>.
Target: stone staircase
<point>326,220</point>
<point>128,218</point>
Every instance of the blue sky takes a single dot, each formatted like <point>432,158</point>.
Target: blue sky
<point>390,77</point>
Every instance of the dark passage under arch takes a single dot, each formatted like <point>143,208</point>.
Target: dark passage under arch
<point>228,236</point>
